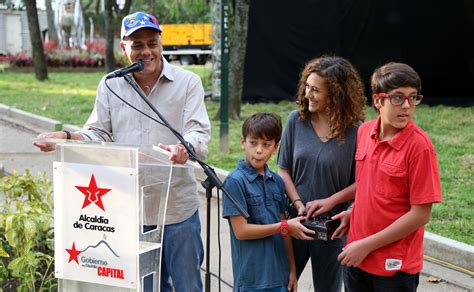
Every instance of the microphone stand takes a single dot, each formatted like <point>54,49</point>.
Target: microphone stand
<point>211,181</point>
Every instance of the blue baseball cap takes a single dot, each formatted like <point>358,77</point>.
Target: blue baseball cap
<point>136,21</point>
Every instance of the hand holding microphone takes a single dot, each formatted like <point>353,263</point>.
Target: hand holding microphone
<point>135,67</point>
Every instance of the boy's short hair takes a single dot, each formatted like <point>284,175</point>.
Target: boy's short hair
<point>394,75</point>
<point>263,125</point>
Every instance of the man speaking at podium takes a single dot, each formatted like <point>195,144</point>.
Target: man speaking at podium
<point>179,96</point>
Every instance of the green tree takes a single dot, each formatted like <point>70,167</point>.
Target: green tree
<point>112,17</point>
<point>237,50</point>
<point>109,35</point>
<point>39,59</point>
<point>11,5</point>
<point>173,11</point>
<point>52,33</point>
<point>238,45</point>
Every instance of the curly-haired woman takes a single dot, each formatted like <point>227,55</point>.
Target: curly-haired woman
<point>316,158</point>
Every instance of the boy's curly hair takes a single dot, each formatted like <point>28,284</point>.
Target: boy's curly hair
<point>346,99</point>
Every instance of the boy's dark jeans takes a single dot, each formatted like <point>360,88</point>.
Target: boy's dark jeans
<point>356,280</point>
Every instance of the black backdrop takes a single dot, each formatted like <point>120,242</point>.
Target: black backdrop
<point>435,37</point>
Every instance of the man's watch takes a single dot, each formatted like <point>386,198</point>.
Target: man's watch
<point>284,229</point>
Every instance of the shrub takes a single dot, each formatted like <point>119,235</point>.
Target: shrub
<point>26,233</point>
<point>91,57</point>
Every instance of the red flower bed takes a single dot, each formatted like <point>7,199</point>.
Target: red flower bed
<point>91,57</point>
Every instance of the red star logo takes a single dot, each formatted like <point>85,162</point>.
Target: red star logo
<point>93,194</point>
<point>73,253</point>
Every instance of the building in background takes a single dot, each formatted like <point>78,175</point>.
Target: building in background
<point>14,33</point>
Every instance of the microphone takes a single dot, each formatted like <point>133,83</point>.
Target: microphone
<point>135,67</point>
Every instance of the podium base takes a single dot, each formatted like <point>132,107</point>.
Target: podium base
<point>78,286</point>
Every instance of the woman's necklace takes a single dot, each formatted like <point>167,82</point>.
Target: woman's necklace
<point>318,128</point>
<point>325,137</point>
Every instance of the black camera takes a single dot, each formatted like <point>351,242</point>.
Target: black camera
<point>324,227</point>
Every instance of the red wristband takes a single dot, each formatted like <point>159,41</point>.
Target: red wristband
<point>284,230</point>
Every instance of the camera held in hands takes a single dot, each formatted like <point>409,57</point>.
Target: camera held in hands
<point>323,226</point>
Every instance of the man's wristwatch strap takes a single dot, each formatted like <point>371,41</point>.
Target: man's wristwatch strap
<point>68,134</point>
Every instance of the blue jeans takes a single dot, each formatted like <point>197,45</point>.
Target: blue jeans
<point>182,257</point>
<point>183,254</point>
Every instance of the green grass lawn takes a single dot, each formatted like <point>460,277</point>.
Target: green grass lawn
<point>69,97</point>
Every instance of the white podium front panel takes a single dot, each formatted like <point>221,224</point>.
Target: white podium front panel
<point>96,224</point>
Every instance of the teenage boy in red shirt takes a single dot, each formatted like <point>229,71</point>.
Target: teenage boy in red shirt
<point>397,180</point>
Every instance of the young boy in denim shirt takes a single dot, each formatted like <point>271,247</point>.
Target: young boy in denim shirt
<point>397,180</point>
<point>262,254</point>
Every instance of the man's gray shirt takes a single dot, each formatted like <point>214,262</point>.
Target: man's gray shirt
<point>179,96</point>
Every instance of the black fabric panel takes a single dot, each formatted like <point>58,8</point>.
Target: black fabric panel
<point>434,37</point>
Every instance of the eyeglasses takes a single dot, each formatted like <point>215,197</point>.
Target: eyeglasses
<point>398,99</point>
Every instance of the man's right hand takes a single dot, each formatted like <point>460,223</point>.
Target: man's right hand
<point>47,147</point>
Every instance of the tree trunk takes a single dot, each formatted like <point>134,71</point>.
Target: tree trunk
<point>97,7</point>
<point>126,8</point>
<point>39,60</point>
<point>238,44</point>
<point>52,33</point>
<point>125,11</point>
<point>109,36</point>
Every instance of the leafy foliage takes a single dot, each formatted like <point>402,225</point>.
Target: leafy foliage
<point>10,4</point>
<point>183,11</point>
<point>26,233</point>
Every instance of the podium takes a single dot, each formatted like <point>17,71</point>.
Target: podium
<point>109,213</point>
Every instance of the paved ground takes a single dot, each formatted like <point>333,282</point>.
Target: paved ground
<point>17,152</point>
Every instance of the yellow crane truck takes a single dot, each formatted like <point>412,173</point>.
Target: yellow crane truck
<point>188,43</point>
